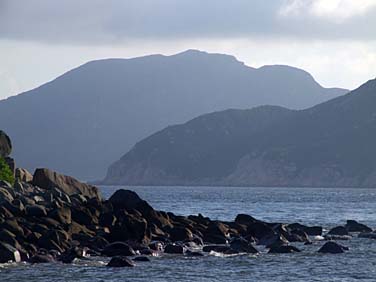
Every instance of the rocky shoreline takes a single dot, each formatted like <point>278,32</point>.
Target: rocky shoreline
<point>48,217</point>
<point>52,217</point>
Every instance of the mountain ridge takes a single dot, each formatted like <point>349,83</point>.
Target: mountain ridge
<point>82,121</point>
<point>327,145</point>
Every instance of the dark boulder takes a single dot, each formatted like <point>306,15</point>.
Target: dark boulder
<point>120,261</point>
<point>283,249</point>
<point>180,234</point>
<point>245,219</point>
<point>332,248</point>
<point>48,179</point>
<point>128,200</point>
<point>142,258</point>
<point>339,230</point>
<point>174,249</point>
<point>5,145</point>
<point>36,210</point>
<point>118,249</point>
<point>243,246</point>
<point>42,258</point>
<point>259,230</point>
<point>354,226</point>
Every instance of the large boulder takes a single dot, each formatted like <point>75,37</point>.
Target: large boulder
<point>48,179</point>
<point>128,200</point>
<point>339,230</point>
<point>118,249</point>
<point>5,145</point>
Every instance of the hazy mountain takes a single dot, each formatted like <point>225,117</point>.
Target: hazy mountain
<point>331,144</point>
<point>82,121</point>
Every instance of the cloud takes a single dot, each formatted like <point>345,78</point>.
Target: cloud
<point>337,11</point>
<point>122,21</point>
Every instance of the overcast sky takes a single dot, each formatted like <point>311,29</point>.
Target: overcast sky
<point>334,40</point>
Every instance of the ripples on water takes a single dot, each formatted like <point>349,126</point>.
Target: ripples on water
<point>327,207</point>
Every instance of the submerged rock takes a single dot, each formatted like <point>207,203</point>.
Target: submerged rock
<point>120,261</point>
<point>332,247</point>
<point>283,249</point>
<point>339,230</point>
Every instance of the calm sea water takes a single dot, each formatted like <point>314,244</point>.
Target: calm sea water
<point>327,207</point>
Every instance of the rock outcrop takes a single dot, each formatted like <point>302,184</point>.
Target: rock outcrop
<point>5,145</point>
<point>48,179</point>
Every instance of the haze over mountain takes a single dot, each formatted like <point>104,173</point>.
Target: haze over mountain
<point>85,119</point>
<point>331,144</point>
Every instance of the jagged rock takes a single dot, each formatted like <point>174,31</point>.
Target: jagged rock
<point>5,145</point>
<point>9,253</point>
<point>5,195</point>
<point>118,249</point>
<point>23,175</point>
<point>332,248</point>
<point>120,261</point>
<point>259,230</point>
<point>48,179</point>
<point>354,226</point>
<point>339,230</point>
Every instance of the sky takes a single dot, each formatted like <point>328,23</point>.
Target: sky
<point>334,40</point>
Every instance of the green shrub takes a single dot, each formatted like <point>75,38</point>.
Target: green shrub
<point>5,172</point>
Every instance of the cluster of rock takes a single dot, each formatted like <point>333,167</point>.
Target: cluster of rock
<point>49,217</point>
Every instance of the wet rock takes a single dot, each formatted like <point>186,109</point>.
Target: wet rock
<point>120,261</point>
<point>242,246</point>
<point>174,249</point>
<point>354,226</point>
<point>339,230</point>
<point>193,253</point>
<point>225,249</point>
<point>283,249</point>
<point>309,230</point>
<point>118,249</point>
<point>259,230</point>
<point>369,235</point>
<point>142,258</point>
<point>9,253</point>
<point>332,248</point>
<point>272,239</point>
<point>48,179</point>
<point>42,258</point>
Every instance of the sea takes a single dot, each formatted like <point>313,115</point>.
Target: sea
<point>327,207</point>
